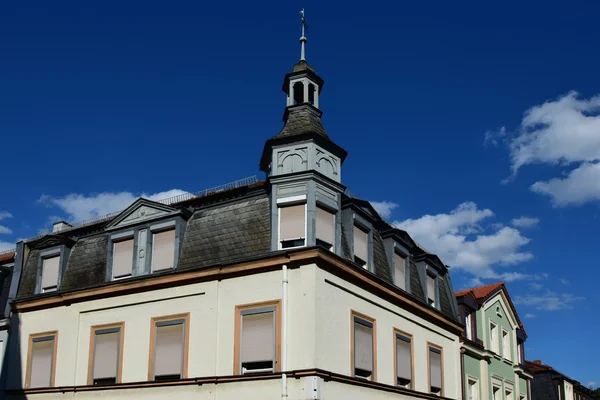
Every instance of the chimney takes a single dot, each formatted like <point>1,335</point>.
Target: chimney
<point>60,226</point>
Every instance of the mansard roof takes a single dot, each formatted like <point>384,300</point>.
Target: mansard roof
<point>6,260</point>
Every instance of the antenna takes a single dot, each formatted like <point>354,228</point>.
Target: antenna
<point>303,38</point>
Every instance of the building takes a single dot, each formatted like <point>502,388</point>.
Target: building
<point>7,259</point>
<point>283,288</point>
<point>492,345</point>
<point>550,384</point>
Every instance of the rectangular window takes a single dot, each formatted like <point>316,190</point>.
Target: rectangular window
<point>257,338</point>
<point>431,290</point>
<point>559,392</point>
<point>468,326</point>
<point>436,378</point>
<point>169,341</point>
<point>361,253</point>
<point>505,345</point>
<point>522,397</point>
<point>292,226</point>
<point>325,228</point>
<point>106,354</point>
<point>50,271</point>
<point>472,389</point>
<point>508,395</point>
<point>122,265</point>
<point>399,271</point>
<point>163,250</point>
<point>363,347</point>
<point>404,367</point>
<point>496,393</point>
<point>41,363</point>
<point>494,337</point>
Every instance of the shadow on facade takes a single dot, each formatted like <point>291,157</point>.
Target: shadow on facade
<point>11,376</point>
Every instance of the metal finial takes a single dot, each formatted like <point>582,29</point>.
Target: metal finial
<point>303,39</point>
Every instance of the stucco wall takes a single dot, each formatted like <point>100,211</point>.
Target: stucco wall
<point>473,370</point>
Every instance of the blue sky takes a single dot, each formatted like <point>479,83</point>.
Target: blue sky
<point>475,126</point>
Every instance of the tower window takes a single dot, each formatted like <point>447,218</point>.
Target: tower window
<point>325,228</point>
<point>298,93</point>
<point>311,93</point>
<point>292,226</point>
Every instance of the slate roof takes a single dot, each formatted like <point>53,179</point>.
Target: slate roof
<point>302,65</point>
<point>302,119</point>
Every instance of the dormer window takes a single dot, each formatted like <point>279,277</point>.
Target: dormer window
<point>292,225</point>
<point>122,263</point>
<point>431,290</point>
<point>400,270</point>
<point>163,250</point>
<point>50,273</point>
<point>325,228</point>
<point>361,253</point>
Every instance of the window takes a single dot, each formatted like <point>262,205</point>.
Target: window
<point>363,347</point>
<point>122,265</point>
<point>399,271</point>
<point>257,343</point>
<point>41,361</point>
<point>435,371</point>
<point>50,272</point>
<point>496,393</point>
<point>361,253</point>
<point>520,353</point>
<point>404,367</point>
<point>508,395</point>
<point>472,389</point>
<point>325,228</point>
<point>494,337</point>
<point>169,338</point>
<point>1,353</point>
<point>431,290</point>
<point>468,326</point>
<point>559,392</point>
<point>292,226</point>
<point>522,397</point>
<point>505,345</point>
<point>163,250</point>
<point>106,354</point>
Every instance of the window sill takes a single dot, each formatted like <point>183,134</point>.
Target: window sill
<point>507,361</point>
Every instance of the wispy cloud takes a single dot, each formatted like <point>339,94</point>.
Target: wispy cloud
<point>564,281</point>
<point>592,384</point>
<point>524,222</point>
<point>384,208</point>
<point>4,229</point>
<point>529,316</point>
<point>536,286</point>
<point>79,207</point>
<point>460,240</point>
<point>549,300</point>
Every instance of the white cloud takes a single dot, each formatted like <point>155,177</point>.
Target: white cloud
<point>459,240</point>
<point>536,286</point>
<point>581,185</point>
<point>494,137</point>
<point>4,230</point>
<point>384,208</point>
<point>6,246</point>
<point>80,207</point>
<point>529,316</point>
<point>564,281</point>
<point>524,222</point>
<point>549,301</point>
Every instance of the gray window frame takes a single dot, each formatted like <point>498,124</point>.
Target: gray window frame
<point>63,252</point>
<point>367,227</point>
<point>103,332</point>
<point>408,340</point>
<point>254,311</point>
<point>157,324</point>
<point>356,319</point>
<point>431,272</point>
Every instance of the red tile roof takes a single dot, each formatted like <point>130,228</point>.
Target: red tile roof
<point>537,366</point>
<point>10,256</point>
<point>480,292</point>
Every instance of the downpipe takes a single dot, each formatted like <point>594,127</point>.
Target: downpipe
<point>284,312</point>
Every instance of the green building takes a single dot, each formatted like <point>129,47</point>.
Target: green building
<point>492,345</point>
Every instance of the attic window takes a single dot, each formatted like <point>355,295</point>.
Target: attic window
<point>50,272</point>
<point>431,290</point>
<point>360,247</point>
<point>325,228</point>
<point>163,250</point>
<point>292,226</point>
<point>122,264</point>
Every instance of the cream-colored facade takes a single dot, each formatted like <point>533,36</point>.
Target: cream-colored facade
<point>318,338</point>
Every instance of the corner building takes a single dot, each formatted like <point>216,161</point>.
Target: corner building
<point>283,288</point>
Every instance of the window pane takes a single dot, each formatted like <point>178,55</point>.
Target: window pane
<point>258,339</point>
<point>292,222</point>
<point>106,355</point>
<point>363,347</point>
<point>431,289</point>
<point>41,362</point>
<point>360,243</point>
<point>399,271</point>
<point>403,358</point>
<point>468,326</point>
<point>163,250</point>
<point>435,368</point>
<point>168,358</point>
<point>50,272</point>
<point>122,258</point>
<point>325,226</point>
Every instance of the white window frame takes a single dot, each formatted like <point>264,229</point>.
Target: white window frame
<point>506,351</point>
<point>435,287</point>
<point>472,388</point>
<point>496,388</point>
<point>286,202</point>
<point>469,325</point>
<point>494,340</point>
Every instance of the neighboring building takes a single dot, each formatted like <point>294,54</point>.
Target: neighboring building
<point>492,345</point>
<point>7,260</point>
<point>285,288</point>
<point>549,384</point>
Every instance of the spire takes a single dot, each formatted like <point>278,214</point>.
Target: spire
<point>303,38</point>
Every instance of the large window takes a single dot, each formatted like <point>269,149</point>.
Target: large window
<point>41,361</point>
<point>404,362</point>
<point>106,354</point>
<point>50,272</point>
<point>363,347</point>
<point>292,226</point>
<point>257,347</point>
<point>361,253</point>
<point>400,270</point>
<point>169,338</point>
<point>163,250</point>
<point>436,373</point>
<point>431,290</point>
<point>122,265</point>
<point>325,228</point>
<point>506,345</point>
